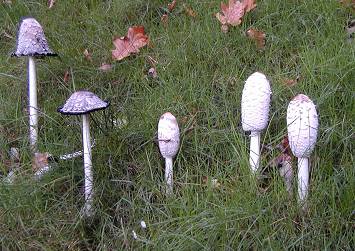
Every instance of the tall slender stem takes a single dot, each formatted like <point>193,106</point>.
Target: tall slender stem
<point>254,158</point>
<point>303,179</point>
<point>32,107</point>
<point>88,207</point>
<point>169,175</point>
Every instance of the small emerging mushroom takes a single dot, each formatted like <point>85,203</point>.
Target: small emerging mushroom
<point>255,113</point>
<point>169,140</point>
<point>82,103</point>
<point>32,43</point>
<point>302,127</point>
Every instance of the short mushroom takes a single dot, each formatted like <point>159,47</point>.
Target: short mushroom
<point>169,140</point>
<point>82,103</point>
<point>255,113</point>
<point>302,127</point>
<point>32,43</point>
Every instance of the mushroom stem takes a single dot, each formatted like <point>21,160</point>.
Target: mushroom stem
<point>32,93</point>
<point>87,166</point>
<point>254,151</point>
<point>169,175</point>
<point>303,177</point>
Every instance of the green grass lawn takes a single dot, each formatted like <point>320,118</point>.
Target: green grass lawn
<point>201,73</point>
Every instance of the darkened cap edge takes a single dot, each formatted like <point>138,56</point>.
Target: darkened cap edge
<point>13,54</point>
<point>81,113</point>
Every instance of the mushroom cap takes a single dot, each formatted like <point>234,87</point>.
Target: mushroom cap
<point>31,40</point>
<point>302,126</point>
<point>168,135</point>
<point>82,102</point>
<point>255,102</point>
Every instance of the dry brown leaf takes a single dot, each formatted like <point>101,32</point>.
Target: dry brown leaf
<point>289,82</point>
<point>232,13</point>
<point>258,37</point>
<point>39,161</point>
<point>152,72</point>
<point>164,19</point>
<point>66,77</point>
<point>171,6</point>
<point>249,5</point>
<point>125,46</point>
<point>348,3</point>
<point>189,11</point>
<point>105,67</point>
<point>51,3</point>
<point>87,55</point>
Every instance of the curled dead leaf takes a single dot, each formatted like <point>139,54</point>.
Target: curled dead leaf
<point>105,67</point>
<point>66,76</point>
<point>189,11</point>
<point>51,3</point>
<point>249,5</point>
<point>152,72</point>
<point>87,55</point>
<point>125,46</point>
<point>39,161</point>
<point>164,19</point>
<point>171,6</point>
<point>257,36</point>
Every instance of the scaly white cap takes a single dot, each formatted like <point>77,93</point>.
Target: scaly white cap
<point>168,135</point>
<point>302,126</point>
<point>256,102</point>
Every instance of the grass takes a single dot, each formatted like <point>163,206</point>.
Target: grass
<point>201,73</point>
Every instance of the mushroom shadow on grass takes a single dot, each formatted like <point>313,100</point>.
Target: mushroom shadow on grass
<point>82,103</point>
<point>32,43</point>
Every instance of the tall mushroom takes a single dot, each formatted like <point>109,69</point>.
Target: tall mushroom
<point>255,113</point>
<point>302,127</point>
<point>169,140</point>
<point>82,103</point>
<point>32,43</point>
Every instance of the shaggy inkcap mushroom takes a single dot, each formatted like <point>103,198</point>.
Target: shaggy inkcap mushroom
<point>302,127</point>
<point>31,40</point>
<point>255,112</point>
<point>82,103</point>
<point>169,141</point>
<point>31,43</point>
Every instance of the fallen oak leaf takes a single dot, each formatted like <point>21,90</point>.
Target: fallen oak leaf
<point>125,46</point>
<point>257,36</point>
<point>231,13</point>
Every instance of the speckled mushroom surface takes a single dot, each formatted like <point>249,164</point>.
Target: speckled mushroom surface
<point>31,40</point>
<point>168,135</point>
<point>255,102</point>
<point>82,102</point>
<point>302,124</point>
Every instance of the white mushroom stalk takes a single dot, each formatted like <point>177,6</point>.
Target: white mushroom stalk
<point>82,103</point>
<point>33,108</point>
<point>302,127</point>
<point>31,43</point>
<point>255,113</point>
<point>169,141</point>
